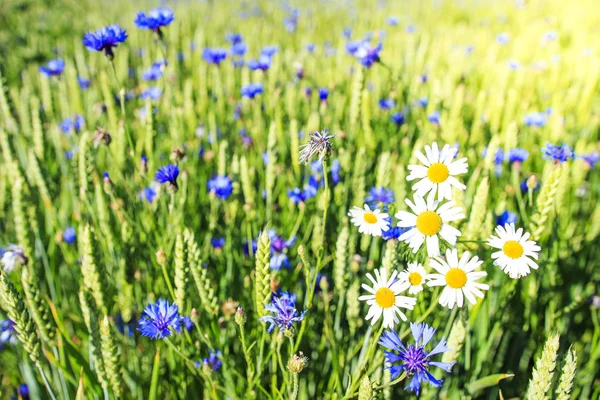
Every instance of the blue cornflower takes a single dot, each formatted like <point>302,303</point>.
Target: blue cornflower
<point>187,323</point>
<point>323,94</point>
<point>105,39</point>
<point>434,117</point>
<point>517,155</point>
<point>368,55</point>
<point>300,196</point>
<point>291,22</point>
<point>550,36</point>
<point>283,308</point>
<point>393,21</point>
<point>514,65</point>
<point>84,83</point>
<point>7,332</point>
<point>503,38</point>
<point>591,159</point>
<point>347,33</point>
<point>168,174</point>
<point>234,38</point>
<point>148,194</point>
<point>238,49</point>
<point>422,102</point>
<point>386,104</point>
<point>53,68</point>
<point>156,19</point>
<point>125,328</point>
<point>525,185</point>
<point>251,90</point>
<point>214,56</point>
<point>263,63</point>
<point>558,154</point>
<point>397,118</point>
<point>411,28</point>
<point>68,124</point>
<point>506,217</point>
<point>160,320</point>
<point>213,361</point>
<point>217,243</point>
<point>238,62</point>
<point>311,47</point>
<point>413,359</point>
<point>353,46</point>
<point>538,119</point>
<point>152,73</point>
<point>278,250</point>
<point>70,235</point>
<point>221,186</point>
<point>335,172</point>
<point>269,51</point>
<point>152,93</point>
<point>393,232</point>
<point>380,196</point>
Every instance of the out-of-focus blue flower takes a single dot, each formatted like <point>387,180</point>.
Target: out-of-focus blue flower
<point>517,155</point>
<point>155,19</point>
<point>278,250</point>
<point>393,21</point>
<point>386,104</point>
<point>234,38</point>
<point>397,118</point>
<point>393,232</point>
<point>23,391</point>
<point>238,62</point>
<point>125,328</point>
<point>269,51</point>
<point>84,83</point>
<point>214,56</point>
<point>148,194</point>
<point>298,195</point>
<point>335,172</point>
<point>217,242</point>
<point>503,38</point>
<point>291,22</point>
<point>8,334</point>
<point>213,361</point>
<point>558,154</point>
<point>251,90</point>
<point>221,186</point>
<point>167,174</point>
<point>411,28</point>
<point>152,73</point>
<point>380,196</point>
<point>187,323</point>
<point>550,36</point>
<point>422,102</point>
<point>514,65</point>
<point>283,310</point>
<point>69,124</point>
<point>347,33</point>
<point>53,68</point>
<point>105,39</point>
<point>538,119</point>
<point>506,217</point>
<point>152,93</point>
<point>323,94</point>
<point>414,359</point>
<point>524,185</point>
<point>70,235</point>
<point>591,159</point>
<point>368,55</point>
<point>311,47</point>
<point>160,320</point>
<point>238,49</point>
<point>499,157</point>
<point>434,117</point>
<point>263,63</point>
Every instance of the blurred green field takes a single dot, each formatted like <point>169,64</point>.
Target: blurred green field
<point>485,76</point>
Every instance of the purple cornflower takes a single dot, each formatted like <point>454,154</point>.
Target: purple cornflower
<point>217,243</point>
<point>380,196</point>
<point>263,63</point>
<point>105,39</point>
<point>168,174</point>
<point>160,320</point>
<point>84,83</point>
<point>70,235</point>
<point>152,93</point>
<point>155,19</point>
<point>517,155</point>
<point>591,159</point>
<point>53,68</point>
<point>506,217</point>
<point>397,118</point>
<point>284,313</point>
<point>278,250</point>
<point>214,56</point>
<point>213,361</point>
<point>413,359</point>
<point>386,104</point>
<point>558,154</point>
<point>221,186</point>
<point>323,94</point>
<point>251,90</point>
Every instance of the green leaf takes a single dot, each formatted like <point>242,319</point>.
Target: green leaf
<point>486,382</point>
<point>155,370</point>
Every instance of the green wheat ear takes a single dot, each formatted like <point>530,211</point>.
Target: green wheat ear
<point>340,264</point>
<point>563,391</point>
<point>110,356</point>
<point>541,379</point>
<point>199,274</point>
<point>262,286</point>
<point>12,302</point>
<point>90,317</point>
<point>180,272</point>
<point>94,276</point>
<point>39,307</point>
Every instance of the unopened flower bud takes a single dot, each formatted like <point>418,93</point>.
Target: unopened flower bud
<point>240,316</point>
<point>161,257</point>
<point>297,363</point>
<point>531,182</point>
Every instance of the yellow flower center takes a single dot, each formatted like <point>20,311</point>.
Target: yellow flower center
<point>415,278</point>
<point>437,172</point>
<point>385,298</point>
<point>513,249</point>
<point>456,278</point>
<point>370,218</point>
<point>429,223</point>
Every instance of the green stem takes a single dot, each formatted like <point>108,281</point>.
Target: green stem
<point>45,379</point>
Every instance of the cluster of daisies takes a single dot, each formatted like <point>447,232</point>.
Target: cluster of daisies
<point>430,217</point>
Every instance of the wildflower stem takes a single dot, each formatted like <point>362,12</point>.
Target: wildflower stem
<point>45,379</point>
<point>294,395</point>
<point>250,367</point>
<point>122,101</point>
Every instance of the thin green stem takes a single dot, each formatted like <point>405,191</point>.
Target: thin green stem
<point>46,382</point>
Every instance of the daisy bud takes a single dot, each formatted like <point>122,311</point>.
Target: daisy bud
<point>297,363</point>
<point>240,316</point>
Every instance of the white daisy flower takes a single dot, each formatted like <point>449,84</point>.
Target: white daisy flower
<point>428,221</point>
<point>458,277</point>
<point>438,173</point>
<point>384,298</point>
<point>515,251</point>
<point>371,222</point>
<point>416,276</point>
